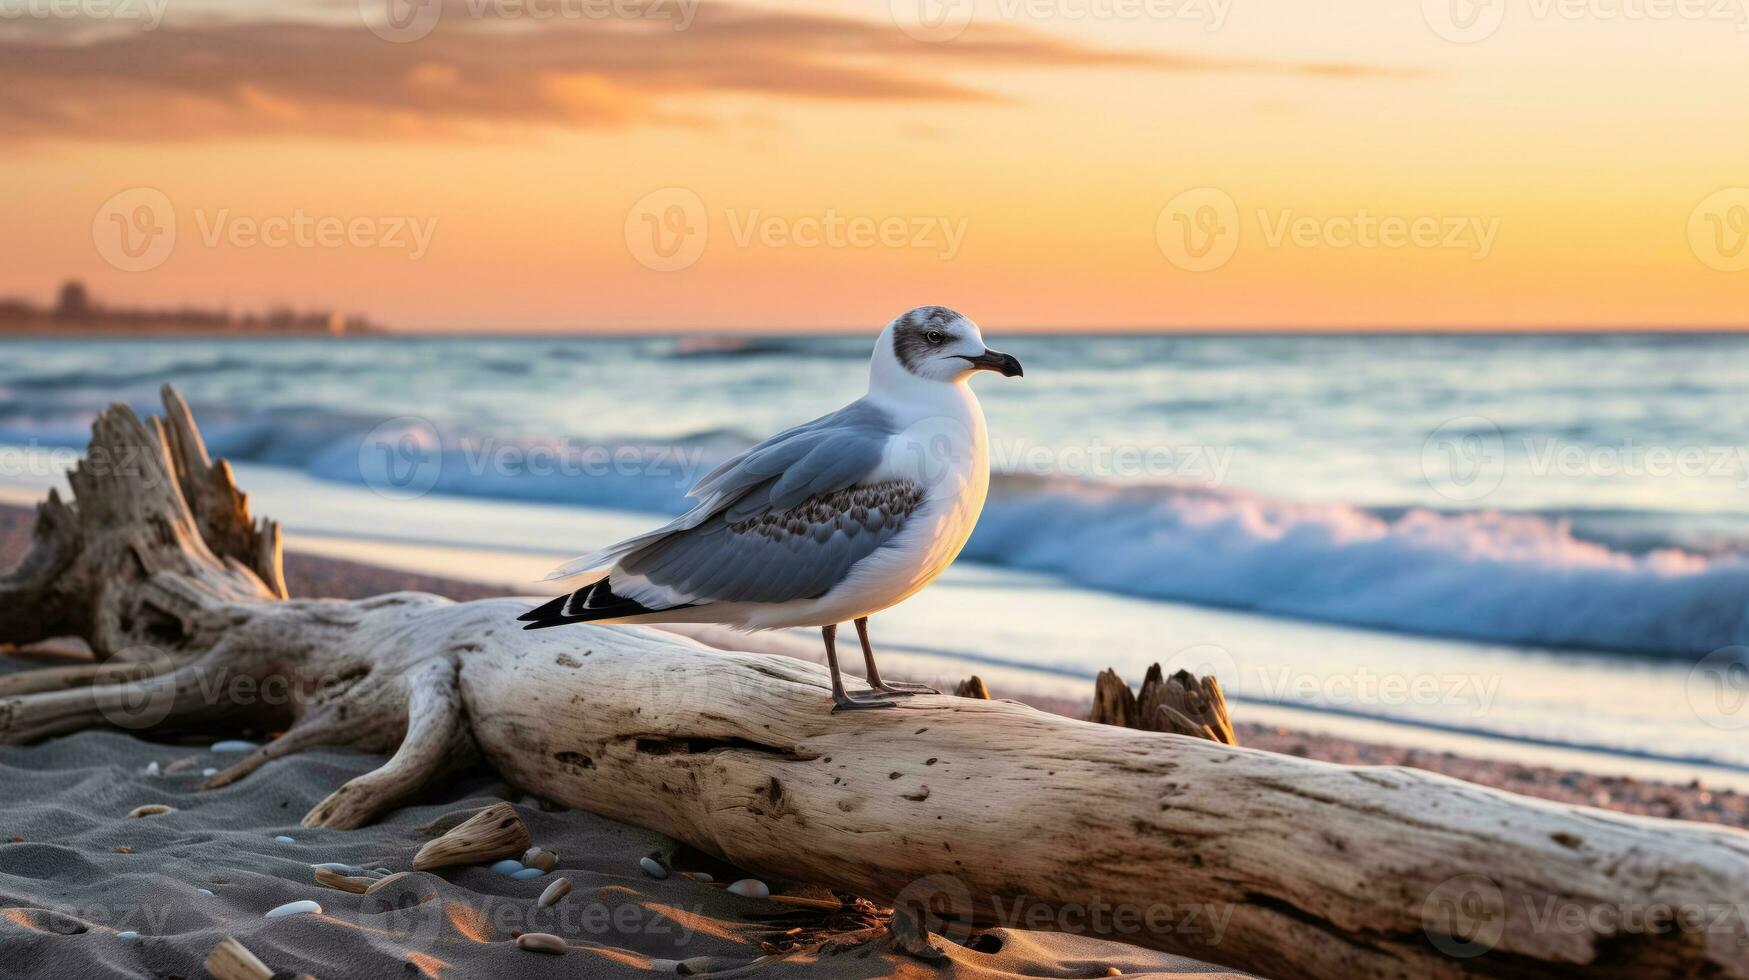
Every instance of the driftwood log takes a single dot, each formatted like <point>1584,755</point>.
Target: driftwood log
<point>979,812</point>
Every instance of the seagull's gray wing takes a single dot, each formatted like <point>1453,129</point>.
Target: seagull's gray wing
<point>818,458</point>
<point>772,555</point>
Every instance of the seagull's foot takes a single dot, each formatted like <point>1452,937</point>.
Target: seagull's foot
<point>849,702</point>
<point>902,688</point>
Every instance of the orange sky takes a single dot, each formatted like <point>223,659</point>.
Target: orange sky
<point>557,164</point>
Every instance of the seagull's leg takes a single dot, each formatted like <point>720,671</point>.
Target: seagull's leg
<point>874,673</point>
<point>841,700</point>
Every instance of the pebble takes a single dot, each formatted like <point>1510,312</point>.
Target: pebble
<point>528,855</point>
<point>209,772</point>
<point>508,866</point>
<point>150,810</point>
<point>130,934</point>
<point>152,768</point>
<point>652,867</point>
<point>750,888</point>
<point>234,745</point>
<point>555,891</point>
<point>541,942</point>
<point>703,876</point>
<point>293,908</point>
<point>203,891</point>
<point>283,839</point>
<point>545,860</point>
<point>337,867</point>
<point>527,873</point>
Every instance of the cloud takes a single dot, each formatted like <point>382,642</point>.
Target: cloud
<point>480,72</point>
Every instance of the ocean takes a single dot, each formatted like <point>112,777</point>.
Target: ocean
<point>1539,539</point>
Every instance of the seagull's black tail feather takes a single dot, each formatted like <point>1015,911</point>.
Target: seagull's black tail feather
<point>590,603</point>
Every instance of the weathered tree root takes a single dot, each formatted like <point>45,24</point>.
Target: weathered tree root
<point>1315,870</point>
<point>1183,704</point>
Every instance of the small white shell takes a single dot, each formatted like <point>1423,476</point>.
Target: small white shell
<point>150,810</point>
<point>293,908</point>
<point>652,867</point>
<point>555,891</point>
<point>750,888</point>
<point>541,942</point>
<point>283,839</point>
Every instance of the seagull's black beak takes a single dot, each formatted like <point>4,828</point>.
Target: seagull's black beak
<point>995,360</point>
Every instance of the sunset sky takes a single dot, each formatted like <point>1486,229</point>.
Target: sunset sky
<point>790,165</point>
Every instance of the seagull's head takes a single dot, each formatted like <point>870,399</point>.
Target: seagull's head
<point>936,344</point>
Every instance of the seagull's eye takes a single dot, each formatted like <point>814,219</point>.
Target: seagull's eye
<point>935,337</point>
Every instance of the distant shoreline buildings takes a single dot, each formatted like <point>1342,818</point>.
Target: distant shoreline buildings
<point>76,313</point>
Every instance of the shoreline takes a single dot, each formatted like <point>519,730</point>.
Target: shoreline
<point>314,576</point>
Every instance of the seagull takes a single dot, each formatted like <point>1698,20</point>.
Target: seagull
<point>832,520</point>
